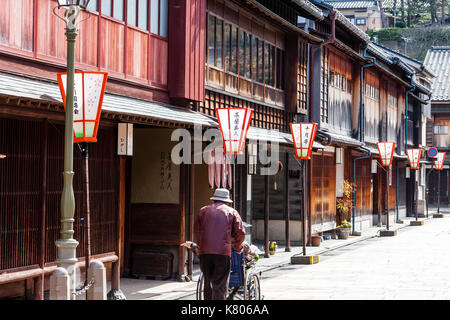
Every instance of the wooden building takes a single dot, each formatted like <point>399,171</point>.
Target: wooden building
<point>130,41</point>
<point>171,63</point>
<point>438,61</point>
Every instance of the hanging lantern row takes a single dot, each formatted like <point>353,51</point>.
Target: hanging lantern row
<point>234,124</point>
<point>386,150</point>
<point>303,135</point>
<point>89,89</point>
<point>414,157</point>
<point>439,163</point>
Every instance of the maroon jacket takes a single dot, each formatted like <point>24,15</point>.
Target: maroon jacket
<point>217,228</point>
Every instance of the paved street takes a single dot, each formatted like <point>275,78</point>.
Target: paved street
<point>413,265</point>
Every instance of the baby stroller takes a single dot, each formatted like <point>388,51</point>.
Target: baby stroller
<point>243,283</point>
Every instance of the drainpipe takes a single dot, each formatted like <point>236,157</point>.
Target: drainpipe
<point>354,184</point>
<point>397,220</point>
<point>333,29</point>
<point>361,96</point>
<point>413,87</point>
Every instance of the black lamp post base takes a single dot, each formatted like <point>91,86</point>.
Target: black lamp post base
<point>388,233</point>
<point>300,259</point>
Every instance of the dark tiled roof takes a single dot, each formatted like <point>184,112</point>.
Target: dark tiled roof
<point>364,4</point>
<point>438,61</point>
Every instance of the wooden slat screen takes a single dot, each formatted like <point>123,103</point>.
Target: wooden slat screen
<point>20,198</point>
<point>323,195</point>
<point>263,116</point>
<point>302,87</point>
<point>22,189</point>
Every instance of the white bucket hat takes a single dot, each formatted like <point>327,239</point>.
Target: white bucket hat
<point>222,195</point>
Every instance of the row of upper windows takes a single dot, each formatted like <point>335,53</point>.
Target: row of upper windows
<point>231,49</point>
<point>392,101</point>
<point>441,129</point>
<point>137,13</point>
<point>372,92</point>
<point>359,21</point>
<point>340,82</point>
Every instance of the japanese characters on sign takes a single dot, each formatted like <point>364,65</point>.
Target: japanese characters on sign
<point>386,150</point>
<point>125,139</point>
<point>303,135</point>
<point>89,89</point>
<point>439,163</point>
<point>414,157</point>
<point>234,124</point>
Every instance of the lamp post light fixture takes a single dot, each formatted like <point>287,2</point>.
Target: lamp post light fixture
<point>66,245</point>
<point>414,162</point>
<point>439,165</point>
<point>234,124</point>
<point>386,150</point>
<point>303,135</point>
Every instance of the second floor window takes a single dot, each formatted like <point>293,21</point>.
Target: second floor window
<point>440,129</point>
<point>234,50</point>
<point>340,82</point>
<point>360,21</point>
<point>372,92</point>
<point>351,19</point>
<point>137,12</point>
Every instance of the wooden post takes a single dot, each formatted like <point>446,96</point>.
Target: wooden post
<point>86,209</point>
<point>286,205</point>
<point>439,192</point>
<point>305,214</point>
<point>266,216</point>
<point>191,216</point>
<point>39,282</point>
<point>121,213</point>
<point>181,251</point>
<point>387,198</point>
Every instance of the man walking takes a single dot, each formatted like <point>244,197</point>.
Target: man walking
<point>218,228</point>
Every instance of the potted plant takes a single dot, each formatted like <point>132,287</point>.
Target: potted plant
<point>273,247</point>
<point>344,206</point>
<point>316,238</point>
<point>343,230</point>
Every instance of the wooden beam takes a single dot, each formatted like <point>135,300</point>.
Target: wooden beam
<point>181,250</point>
<point>121,213</point>
<point>286,204</point>
<point>191,216</point>
<point>266,216</point>
<point>39,285</point>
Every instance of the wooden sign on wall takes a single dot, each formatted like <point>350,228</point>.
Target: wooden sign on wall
<point>125,139</point>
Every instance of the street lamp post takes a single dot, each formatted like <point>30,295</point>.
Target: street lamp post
<point>386,150</point>
<point>438,165</point>
<point>414,162</point>
<point>66,245</point>
<point>303,135</point>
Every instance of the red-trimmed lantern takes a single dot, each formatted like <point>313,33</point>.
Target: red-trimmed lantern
<point>386,150</point>
<point>414,157</point>
<point>303,135</point>
<point>439,163</point>
<point>89,89</point>
<point>234,124</point>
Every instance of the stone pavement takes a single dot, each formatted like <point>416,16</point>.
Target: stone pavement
<point>411,266</point>
<point>137,289</point>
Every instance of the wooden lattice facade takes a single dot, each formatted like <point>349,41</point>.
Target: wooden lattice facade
<point>30,193</point>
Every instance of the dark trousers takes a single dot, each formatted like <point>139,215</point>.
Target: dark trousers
<point>216,273</point>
